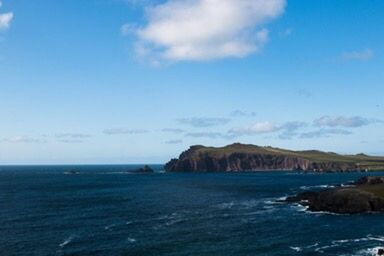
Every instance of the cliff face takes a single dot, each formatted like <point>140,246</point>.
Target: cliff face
<point>238,157</point>
<point>250,162</point>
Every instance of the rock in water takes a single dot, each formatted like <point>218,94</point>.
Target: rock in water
<point>367,196</point>
<point>145,169</point>
<point>369,180</point>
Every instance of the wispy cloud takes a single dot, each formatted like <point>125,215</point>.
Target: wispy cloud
<point>290,130</point>
<point>128,29</point>
<point>173,142</point>
<point>256,128</point>
<point>173,130</point>
<point>362,55</point>
<point>23,139</point>
<point>72,141</point>
<point>324,133</point>
<point>286,32</point>
<point>118,131</point>
<point>210,135</point>
<point>305,93</point>
<point>343,121</point>
<point>205,29</point>
<point>241,113</point>
<point>287,130</point>
<point>203,121</point>
<point>72,135</point>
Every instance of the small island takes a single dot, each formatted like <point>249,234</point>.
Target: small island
<point>364,195</point>
<point>246,157</point>
<point>144,169</point>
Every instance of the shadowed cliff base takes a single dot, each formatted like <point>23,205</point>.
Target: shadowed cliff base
<point>245,157</point>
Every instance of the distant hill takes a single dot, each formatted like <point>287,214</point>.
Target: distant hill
<point>245,157</point>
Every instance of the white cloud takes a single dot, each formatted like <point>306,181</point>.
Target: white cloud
<point>5,20</point>
<point>205,29</point>
<point>362,55</point>
<point>257,128</point>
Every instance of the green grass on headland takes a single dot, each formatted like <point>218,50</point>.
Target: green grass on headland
<point>377,189</point>
<point>361,160</point>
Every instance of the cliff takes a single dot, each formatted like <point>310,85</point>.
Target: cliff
<point>243,157</point>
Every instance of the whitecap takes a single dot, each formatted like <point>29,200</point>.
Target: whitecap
<point>131,239</point>
<point>276,200</point>
<point>110,226</point>
<point>337,243</point>
<point>316,186</point>
<point>226,205</point>
<point>369,252</point>
<point>66,241</point>
<point>297,249</point>
<point>322,248</point>
<point>300,208</point>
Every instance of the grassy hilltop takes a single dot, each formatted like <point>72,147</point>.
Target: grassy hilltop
<point>271,158</point>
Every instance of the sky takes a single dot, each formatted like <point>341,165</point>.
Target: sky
<point>130,81</point>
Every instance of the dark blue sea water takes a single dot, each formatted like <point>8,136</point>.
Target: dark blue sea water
<point>103,210</point>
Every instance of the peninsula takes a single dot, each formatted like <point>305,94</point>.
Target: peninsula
<point>245,157</point>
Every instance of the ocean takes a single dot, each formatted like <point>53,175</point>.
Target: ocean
<point>104,210</point>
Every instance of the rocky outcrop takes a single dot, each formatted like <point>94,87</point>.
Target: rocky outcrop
<point>238,157</point>
<point>364,197</point>
<point>369,180</point>
<point>145,169</point>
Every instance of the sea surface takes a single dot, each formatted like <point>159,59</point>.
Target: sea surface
<point>105,210</point>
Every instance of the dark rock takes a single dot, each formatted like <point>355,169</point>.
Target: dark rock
<point>370,180</point>
<point>145,169</point>
<point>380,251</point>
<point>71,172</point>
<point>357,199</point>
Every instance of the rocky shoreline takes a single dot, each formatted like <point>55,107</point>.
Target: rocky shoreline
<point>363,196</point>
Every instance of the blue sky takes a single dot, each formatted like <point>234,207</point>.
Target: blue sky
<point>114,81</point>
